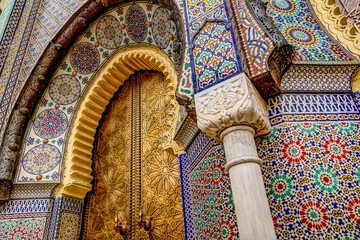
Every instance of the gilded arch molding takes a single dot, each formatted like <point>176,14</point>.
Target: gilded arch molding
<point>78,160</point>
<point>329,14</point>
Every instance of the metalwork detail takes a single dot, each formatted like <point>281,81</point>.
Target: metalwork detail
<point>137,183</point>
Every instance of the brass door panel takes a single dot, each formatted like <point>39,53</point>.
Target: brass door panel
<point>132,172</point>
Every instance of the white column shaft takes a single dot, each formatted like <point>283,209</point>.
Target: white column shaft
<point>251,204</point>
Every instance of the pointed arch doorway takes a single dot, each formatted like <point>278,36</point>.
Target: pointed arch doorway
<point>132,171</point>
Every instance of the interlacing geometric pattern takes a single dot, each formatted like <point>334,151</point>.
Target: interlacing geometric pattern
<point>25,219</point>
<point>132,171</point>
<point>121,27</point>
<point>22,228</point>
<point>312,178</point>
<point>207,197</point>
<point>214,56</point>
<point>300,26</point>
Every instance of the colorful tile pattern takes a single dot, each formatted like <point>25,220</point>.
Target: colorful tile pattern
<point>357,99</point>
<point>33,191</point>
<point>311,174</point>
<point>65,89</point>
<point>307,78</point>
<point>25,219</point>
<point>13,43</point>
<point>30,38</point>
<point>41,159</point>
<point>136,23</point>
<point>300,26</point>
<point>50,123</point>
<point>109,32</point>
<point>55,110</point>
<point>6,15</point>
<point>66,219</point>
<point>185,87</point>
<point>256,45</point>
<point>23,228</point>
<point>161,29</point>
<point>70,224</point>
<point>207,198</point>
<point>214,56</point>
<point>312,107</point>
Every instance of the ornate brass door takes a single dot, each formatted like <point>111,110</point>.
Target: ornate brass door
<point>132,171</point>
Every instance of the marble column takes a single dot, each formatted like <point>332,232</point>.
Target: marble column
<point>251,204</point>
<point>232,112</point>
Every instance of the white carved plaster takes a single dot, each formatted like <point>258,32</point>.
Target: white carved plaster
<point>230,103</point>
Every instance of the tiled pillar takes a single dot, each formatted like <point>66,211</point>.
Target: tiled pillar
<point>66,219</point>
<point>232,113</point>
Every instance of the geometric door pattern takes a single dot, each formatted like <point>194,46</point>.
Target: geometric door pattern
<point>132,171</point>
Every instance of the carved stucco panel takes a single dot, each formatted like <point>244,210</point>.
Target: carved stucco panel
<point>230,103</point>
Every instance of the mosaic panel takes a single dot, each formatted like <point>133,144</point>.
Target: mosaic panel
<point>5,15</point>
<point>41,159</point>
<point>66,219</point>
<point>85,58</point>
<point>24,219</point>
<point>185,88</point>
<point>357,99</point>
<point>256,46</point>
<point>25,191</point>
<point>94,47</point>
<point>35,206</point>
<point>214,56</point>
<point>207,198</point>
<point>311,174</point>
<point>300,26</point>
<point>161,29</point>
<point>109,32</point>
<point>12,47</point>
<point>306,78</point>
<point>136,23</point>
<point>311,107</point>
<point>65,89</point>
<point>23,228</point>
<point>70,224</point>
<point>23,56</point>
<point>198,9</point>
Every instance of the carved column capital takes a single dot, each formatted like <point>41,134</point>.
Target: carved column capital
<point>230,103</point>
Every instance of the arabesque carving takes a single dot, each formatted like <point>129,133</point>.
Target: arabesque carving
<point>233,102</point>
<point>136,181</point>
<point>330,15</point>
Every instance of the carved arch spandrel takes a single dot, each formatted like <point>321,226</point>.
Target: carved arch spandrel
<point>77,161</point>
